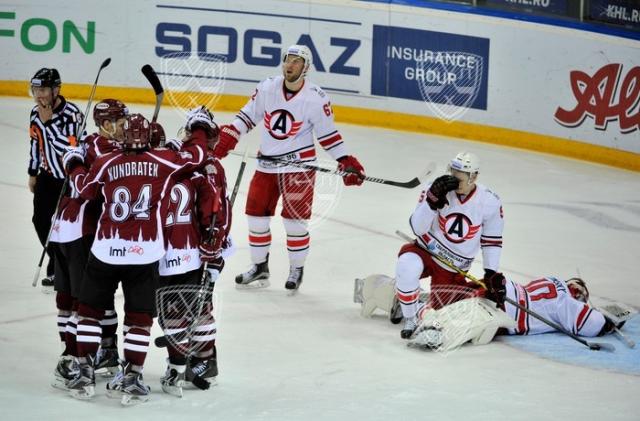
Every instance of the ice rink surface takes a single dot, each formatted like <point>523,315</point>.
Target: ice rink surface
<point>312,356</point>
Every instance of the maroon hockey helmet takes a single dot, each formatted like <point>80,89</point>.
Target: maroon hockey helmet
<point>109,109</point>
<point>136,132</point>
<point>578,289</point>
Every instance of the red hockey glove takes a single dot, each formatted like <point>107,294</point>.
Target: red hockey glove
<point>437,194</point>
<point>227,141</point>
<point>496,286</point>
<point>350,164</point>
<point>211,248</point>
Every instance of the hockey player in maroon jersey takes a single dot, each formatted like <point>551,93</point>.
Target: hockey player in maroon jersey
<point>187,228</point>
<point>129,243</point>
<point>454,219</point>
<point>71,239</point>
<point>291,110</point>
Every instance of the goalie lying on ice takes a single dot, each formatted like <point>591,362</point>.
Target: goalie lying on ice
<point>477,319</point>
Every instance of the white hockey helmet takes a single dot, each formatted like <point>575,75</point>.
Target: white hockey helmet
<point>465,162</point>
<point>301,51</point>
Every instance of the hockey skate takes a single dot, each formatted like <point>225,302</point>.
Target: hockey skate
<point>83,385</point>
<point>107,364</point>
<point>114,386</point>
<point>254,278</point>
<point>65,371</point>
<point>173,379</point>
<point>205,369</point>
<point>134,390</point>
<point>395,314</point>
<point>427,338</point>
<point>410,325</point>
<point>294,280</point>
<point>47,285</point>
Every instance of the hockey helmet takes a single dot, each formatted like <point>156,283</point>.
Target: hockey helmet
<point>46,78</point>
<point>201,118</point>
<point>109,109</point>
<point>465,162</point>
<point>301,51</point>
<point>157,136</point>
<point>578,289</point>
<point>136,132</point>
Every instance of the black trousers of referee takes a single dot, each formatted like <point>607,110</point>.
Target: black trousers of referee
<point>45,198</point>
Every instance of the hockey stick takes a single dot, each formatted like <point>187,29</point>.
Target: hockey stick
<point>165,340</point>
<point>152,77</point>
<point>66,179</point>
<point>415,182</point>
<point>595,346</point>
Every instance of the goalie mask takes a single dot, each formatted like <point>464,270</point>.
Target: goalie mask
<point>136,132</point>
<point>578,289</point>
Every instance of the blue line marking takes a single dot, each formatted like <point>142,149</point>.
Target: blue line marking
<point>242,12</point>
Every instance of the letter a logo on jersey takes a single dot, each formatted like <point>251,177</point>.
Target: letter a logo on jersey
<point>281,124</point>
<point>457,227</point>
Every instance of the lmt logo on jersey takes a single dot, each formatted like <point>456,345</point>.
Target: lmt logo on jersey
<point>39,34</point>
<point>281,124</point>
<point>606,96</point>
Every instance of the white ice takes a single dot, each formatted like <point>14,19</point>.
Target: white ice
<point>312,356</point>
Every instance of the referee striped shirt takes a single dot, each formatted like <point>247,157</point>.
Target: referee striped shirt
<point>49,140</point>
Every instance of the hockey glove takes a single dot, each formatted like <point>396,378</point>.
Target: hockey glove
<point>496,286</point>
<point>157,136</point>
<point>437,194</point>
<point>174,144</point>
<point>350,164</point>
<point>228,139</point>
<point>72,157</point>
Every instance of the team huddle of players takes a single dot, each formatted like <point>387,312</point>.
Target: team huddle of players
<point>144,212</point>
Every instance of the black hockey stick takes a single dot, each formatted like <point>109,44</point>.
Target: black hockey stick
<point>414,182</point>
<point>596,346</point>
<point>152,77</point>
<point>165,340</point>
<point>66,179</point>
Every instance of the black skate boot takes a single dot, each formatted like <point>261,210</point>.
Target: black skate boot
<point>134,390</point>
<point>107,362</point>
<point>256,277</point>
<point>47,285</point>
<point>114,386</point>
<point>395,315</point>
<point>295,278</point>
<point>410,326</point>
<point>65,371</point>
<point>83,385</point>
<point>173,379</point>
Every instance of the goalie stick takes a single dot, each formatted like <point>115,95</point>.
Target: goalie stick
<point>166,340</point>
<point>152,77</point>
<point>66,179</point>
<point>414,182</point>
<point>595,346</point>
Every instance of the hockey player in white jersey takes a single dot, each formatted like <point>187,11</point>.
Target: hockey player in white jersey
<point>292,110</point>
<point>454,219</point>
<point>477,319</point>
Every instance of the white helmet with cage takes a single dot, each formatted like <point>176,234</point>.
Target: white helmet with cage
<point>465,162</point>
<point>303,52</point>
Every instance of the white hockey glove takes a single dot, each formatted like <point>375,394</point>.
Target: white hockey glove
<point>173,144</point>
<point>73,155</point>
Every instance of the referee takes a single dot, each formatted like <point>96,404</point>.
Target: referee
<point>54,123</point>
